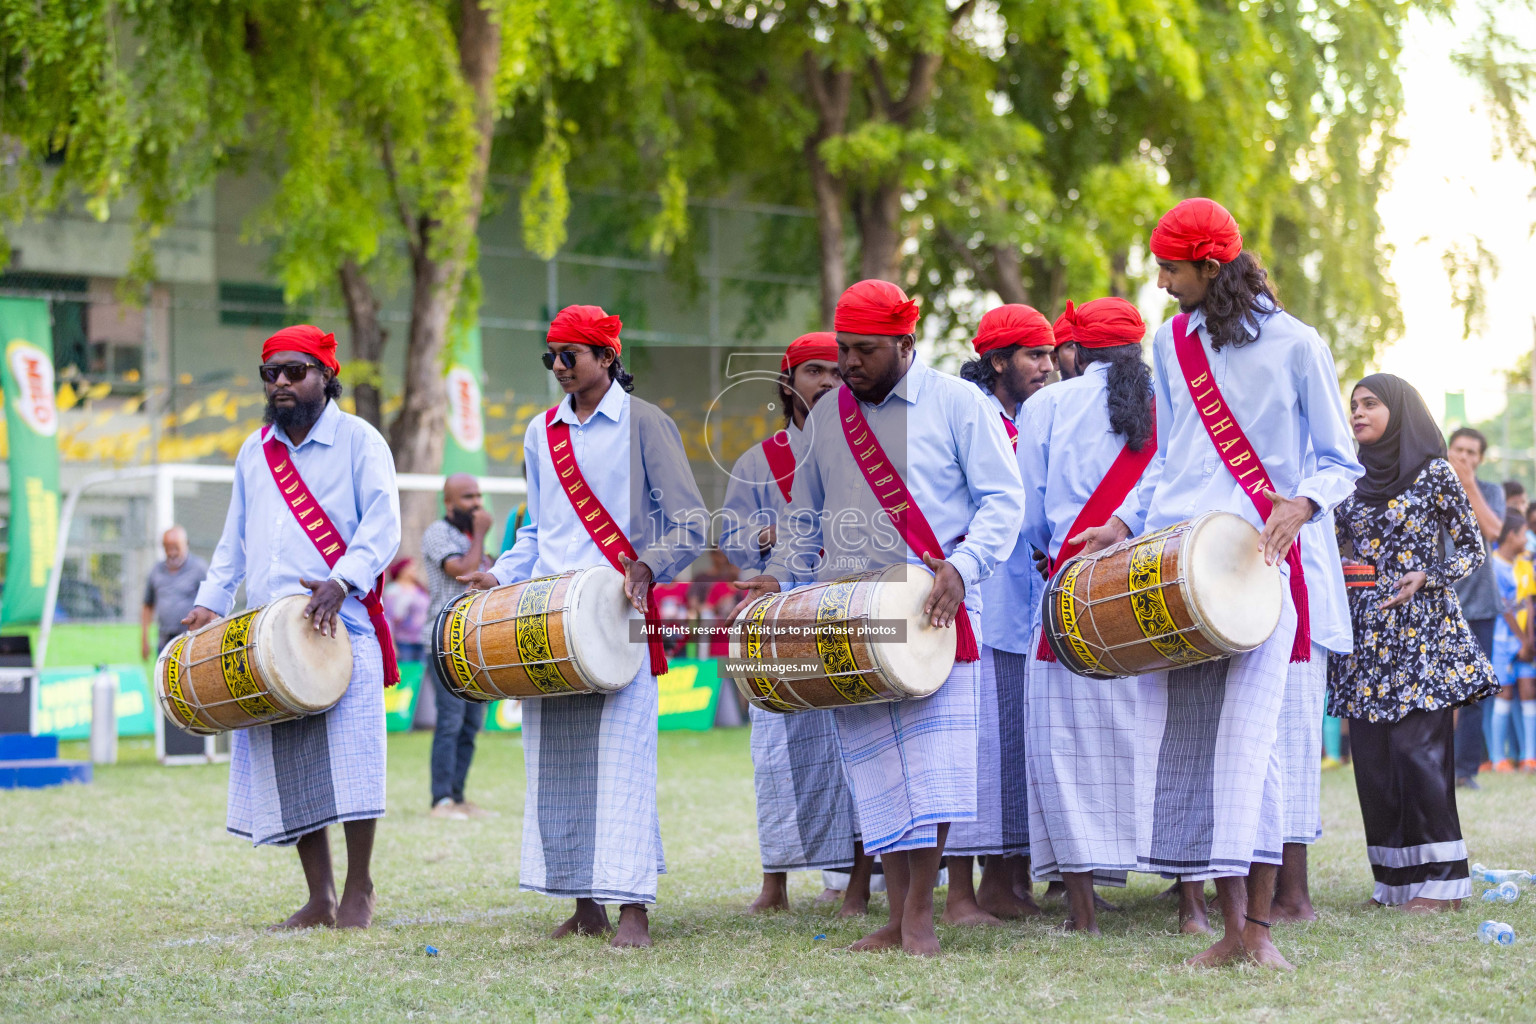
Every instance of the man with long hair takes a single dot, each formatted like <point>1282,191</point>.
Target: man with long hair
<point>804,810</point>
<point>1245,393</point>
<point>590,830</point>
<point>312,464</point>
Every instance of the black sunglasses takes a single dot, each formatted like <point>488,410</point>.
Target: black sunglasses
<point>295,372</point>
<point>567,359</point>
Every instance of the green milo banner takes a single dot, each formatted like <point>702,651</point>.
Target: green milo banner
<point>464,447</point>
<point>32,423</point>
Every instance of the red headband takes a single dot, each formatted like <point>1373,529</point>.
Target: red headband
<point>875,307</point>
<point>1062,328</point>
<point>586,325</point>
<point>816,345</point>
<point>305,338</point>
<point>1197,229</point>
<point>1104,323</point>
<point>1013,324</point>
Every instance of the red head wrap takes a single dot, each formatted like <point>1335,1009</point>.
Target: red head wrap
<point>586,325</point>
<point>1013,324</point>
<point>816,345</point>
<point>1197,229</point>
<point>1062,328</point>
<point>305,338</point>
<point>1103,323</point>
<point>875,307</point>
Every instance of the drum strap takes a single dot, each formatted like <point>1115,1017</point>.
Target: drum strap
<point>605,533</point>
<point>1123,474</point>
<point>1241,460</point>
<point>781,461</point>
<point>322,533</point>
<point>891,491</point>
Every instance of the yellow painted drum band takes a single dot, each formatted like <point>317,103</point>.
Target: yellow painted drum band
<point>235,661</point>
<point>531,634</point>
<point>836,651</point>
<point>458,620</point>
<point>762,685</point>
<point>173,685</point>
<point>1066,608</point>
<point>1151,610</point>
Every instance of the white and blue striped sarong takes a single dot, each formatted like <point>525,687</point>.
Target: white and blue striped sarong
<point>1301,747</point>
<point>1082,774</point>
<point>293,778</point>
<point>805,818</point>
<point>590,829</point>
<point>912,764</point>
<point>1209,789</point>
<point>1002,807</point>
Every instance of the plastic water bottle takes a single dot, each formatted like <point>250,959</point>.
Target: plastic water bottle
<point>1504,892</point>
<point>1494,876</point>
<point>1496,933</point>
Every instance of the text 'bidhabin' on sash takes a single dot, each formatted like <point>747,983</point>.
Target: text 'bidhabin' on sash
<point>884,631</point>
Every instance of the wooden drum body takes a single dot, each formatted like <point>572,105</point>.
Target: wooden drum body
<point>550,637</point>
<point>1196,591</point>
<point>263,666</point>
<point>809,626</point>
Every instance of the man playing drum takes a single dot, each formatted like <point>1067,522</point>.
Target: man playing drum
<point>590,829</point>
<point>804,810</point>
<point>1014,347</point>
<point>948,498</point>
<point>1083,445</point>
<point>288,781</point>
<point>1242,390</point>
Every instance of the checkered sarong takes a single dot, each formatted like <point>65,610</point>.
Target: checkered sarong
<point>1002,815</point>
<point>1300,742</point>
<point>290,779</point>
<point>804,809</point>
<point>590,829</point>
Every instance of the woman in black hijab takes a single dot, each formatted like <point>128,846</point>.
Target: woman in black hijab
<point>1415,659</point>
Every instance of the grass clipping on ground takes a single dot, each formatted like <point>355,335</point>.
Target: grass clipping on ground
<point>126,900</point>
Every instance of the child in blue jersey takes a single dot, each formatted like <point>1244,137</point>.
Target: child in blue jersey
<point>1514,651</point>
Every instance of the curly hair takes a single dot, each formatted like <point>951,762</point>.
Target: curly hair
<point>1234,299</point>
<point>1130,391</point>
<point>617,372</point>
<point>333,389</point>
<point>982,372</point>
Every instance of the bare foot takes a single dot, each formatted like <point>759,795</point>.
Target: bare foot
<point>888,937</point>
<point>918,937</point>
<point>964,912</point>
<point>634,928</point>
<point>1261,950</point>
<point>1070,925</point>
<point>1170,893</point>
<point>590,918</point>
<point>1301,911</point>
<point>1055,891</point>
<point>775,894</point>
<point>1001,902</point>
<point>1101,904</point>
<point>853,905</point>
<point>1192,916</point>
<point>356,909</point>
<point>1421,905</point>
<point>314,914</point>
<point>1226,949</point>
<point>829,896</point>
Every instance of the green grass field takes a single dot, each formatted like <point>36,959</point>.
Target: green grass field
<point>125,900</point>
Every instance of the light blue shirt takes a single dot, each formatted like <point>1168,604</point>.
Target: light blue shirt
<point>1011,595</point>
<point>1283,391</point>
<point>349,469</point>
<point>753,502</point>
<point>631,455</point>
<point>1327,601</point>
<point>951,451</point>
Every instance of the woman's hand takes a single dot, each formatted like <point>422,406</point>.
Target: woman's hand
<point>1405,589</point>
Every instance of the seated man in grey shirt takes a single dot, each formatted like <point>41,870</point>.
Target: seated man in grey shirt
<point>170,591</point>
<point>1478,591</point>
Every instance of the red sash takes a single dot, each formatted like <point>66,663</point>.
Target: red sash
<point>605,533</point>
<point>1013,431</point>
<point>1123,474</point>
<point>781,461</point>
<point>897,501</point>
<point>1242,461</point>
<point>327,540</point>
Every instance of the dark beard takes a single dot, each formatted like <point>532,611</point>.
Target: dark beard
<point>461,520</point>
<point>300,414</point>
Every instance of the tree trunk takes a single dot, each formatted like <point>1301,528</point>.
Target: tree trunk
<point>1008,275</point>
<point>878,214</point>
<point>368,340</point>
<point>830,92</point>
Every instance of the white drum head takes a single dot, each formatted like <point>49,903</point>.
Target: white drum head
<point>918,665</point>
<point>1236,597</point>
<point>303,668</point>
<point>597,629</point>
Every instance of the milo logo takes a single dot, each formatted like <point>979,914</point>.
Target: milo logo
<point>32,369</point>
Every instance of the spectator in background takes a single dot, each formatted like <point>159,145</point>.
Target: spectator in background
<point>454,546</point>
<point>1514,650</point>
<point>1514,498</point>
<point>1478,592</point>
<point>171,591</point>
<point>405,606</point>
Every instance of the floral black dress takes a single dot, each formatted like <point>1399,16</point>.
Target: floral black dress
<point>1421,655</point>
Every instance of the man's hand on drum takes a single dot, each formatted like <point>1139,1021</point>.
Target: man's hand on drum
<point>948,591</point>
<point>637,581</point>
<point>325,598</point>
<point>479,581</point>
<point>1405,589</point>
<point>1100,537</point>
<point>1284,525</point>
<point>199,617</point>
<point>750,590</point>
